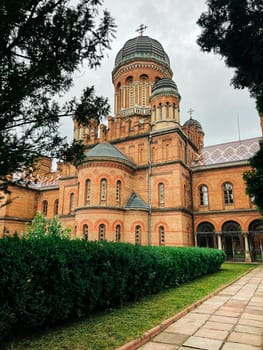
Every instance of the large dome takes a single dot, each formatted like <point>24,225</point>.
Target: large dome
<point>142,47</point>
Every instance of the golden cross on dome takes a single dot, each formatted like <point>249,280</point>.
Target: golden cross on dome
<point>141,29</point>
<point>190,111</point>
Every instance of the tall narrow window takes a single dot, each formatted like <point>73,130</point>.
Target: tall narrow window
<point>56,207</point>
<point>88,188</point>
<point>103,190</point>
<point>161,235</point>
<point>118,233</point>
<point>85,232</point>
<point>118,191</point>
<point>72,203</point>
<point>153,154</point>
<point>141,151</point>
<point>138,234</point>
<point>203,195</point>
<point>131,95</point>
<point>44,207</point>
<point>161,194</point>
<point>228,193</point>
<point>144,92</point>
<point>101,232</point>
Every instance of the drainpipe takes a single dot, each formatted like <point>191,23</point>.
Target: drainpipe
<point>191,195</point>
<point>192,209</point>
<point>149,191</point>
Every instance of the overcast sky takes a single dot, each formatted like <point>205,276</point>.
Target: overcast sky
<point>203,80</point>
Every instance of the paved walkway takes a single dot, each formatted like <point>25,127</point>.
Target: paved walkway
<point>230,320</point>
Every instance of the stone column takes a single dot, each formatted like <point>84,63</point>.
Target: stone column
<point>219,241</point>
<point>247,252</point>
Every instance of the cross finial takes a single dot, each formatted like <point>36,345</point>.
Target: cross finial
<point>141,29</point>
<point>190,111</point>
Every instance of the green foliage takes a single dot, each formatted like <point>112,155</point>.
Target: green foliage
<point>254,179</point>
<point>42,44</point>
<point>41,227</point>
<point>48,280</point>
<point>233,29</point>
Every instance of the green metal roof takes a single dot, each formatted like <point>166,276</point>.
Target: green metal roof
<point>135,202</point>
<point>165,87</point>
<point>104,150</point>
<point>141,47</point>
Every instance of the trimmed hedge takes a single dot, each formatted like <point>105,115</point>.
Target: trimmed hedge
<point>45,281</point>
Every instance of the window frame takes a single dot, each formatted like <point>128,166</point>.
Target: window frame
<point>85,232</point>
<point>103,190</point>
<point>138,230</point>
<point>161,194</point>
<point>102,232</point>
<point>203,195</point>
<point>56,204</point>
<point>44,207</point>
<point>161,235</point>
<point>228,193</point>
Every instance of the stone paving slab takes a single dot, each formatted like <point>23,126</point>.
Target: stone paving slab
<point>212,333</point>
<point>160,346</point>
<point>203,343</point>
<point>171,338</point>
<point>218,325</point>
<point>245,338</point>
<point>236,346</point>
<point>230,320</point>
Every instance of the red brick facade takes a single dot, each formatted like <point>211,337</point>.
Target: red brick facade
<point>155,187</point>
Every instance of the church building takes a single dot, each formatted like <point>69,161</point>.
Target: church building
<point>146,178</point>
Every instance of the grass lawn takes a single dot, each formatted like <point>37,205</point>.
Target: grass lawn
<point>116,327</point>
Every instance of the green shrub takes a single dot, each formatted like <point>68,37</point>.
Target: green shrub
<point>52,279</point>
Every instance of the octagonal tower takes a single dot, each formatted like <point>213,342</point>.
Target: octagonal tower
<point>138,65</point>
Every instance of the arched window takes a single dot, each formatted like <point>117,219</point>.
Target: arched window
<point>161,194</point>
<point>103,190</point>
<point>101,232</point>
<point>71,203</point>
<point>118,233</point>
<point>44,207</point>
<point>138,234</point>
<point>118,191</point>
<point>85,232</point>
<point>161,235</point>
<point>231,226</point>
<point>228,193</point>
<point>56,207</point>
<point>203,195</point>
<point>205,235</point>
<point>87,190</point>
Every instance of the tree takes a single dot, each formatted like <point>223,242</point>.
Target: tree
<point>254,179</point>
<point>42,227</point>
<point>233,29</point>
<point>42,43</point>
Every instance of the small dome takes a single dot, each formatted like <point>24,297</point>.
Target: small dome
<point>141,47</point>
<point>106,151</point>
<point>195,123</point>
<point>165,86</point>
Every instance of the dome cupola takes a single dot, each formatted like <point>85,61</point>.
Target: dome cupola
<point>142,48</point>
<point>165,87</point>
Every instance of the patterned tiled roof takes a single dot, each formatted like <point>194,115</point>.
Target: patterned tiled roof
<point>230,151</point>
<point>135,202</point>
